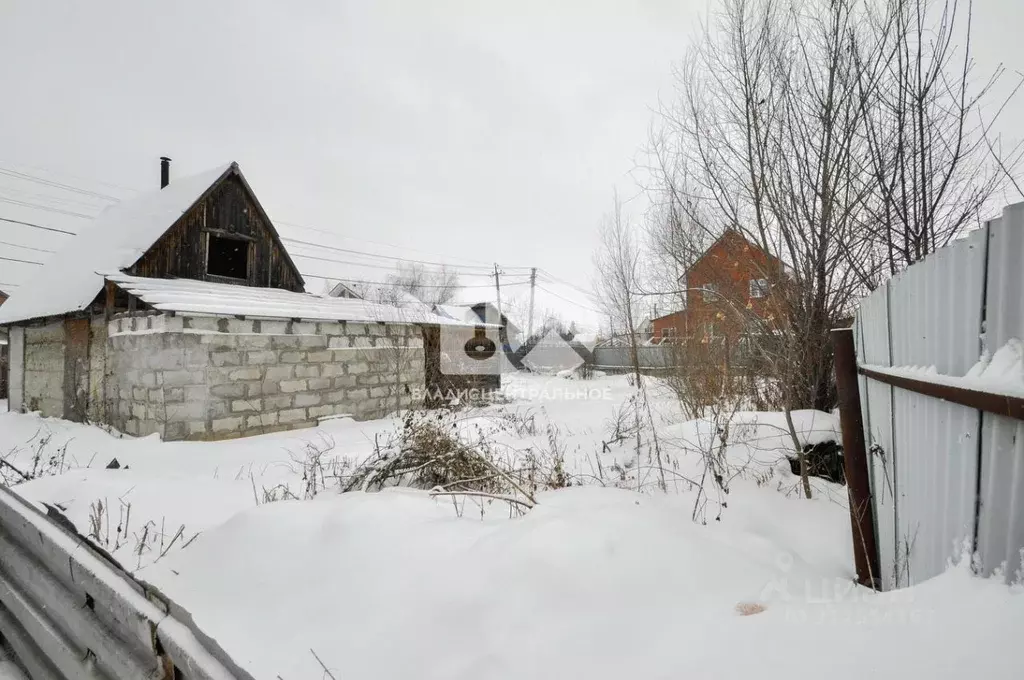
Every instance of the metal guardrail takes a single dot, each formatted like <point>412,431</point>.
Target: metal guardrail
<point>68,612</point>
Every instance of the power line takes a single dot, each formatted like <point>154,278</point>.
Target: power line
<point>14,259</point>
<point>394,285</point>
<point>47,208</point>
<point>589,309</point>
<point>376,243</point>
<point>386,257</point>
<point>57,185</point>
<point>555,279</point>
<point>68,174</point>
<point>373,265</point>
<point>9,285</point>
<point>38,226</point>
<point>18,245</point>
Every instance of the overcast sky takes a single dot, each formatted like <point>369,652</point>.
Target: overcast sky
<point>469,131</point>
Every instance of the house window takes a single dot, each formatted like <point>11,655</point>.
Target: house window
<point>668,332</point>
<point>227,257</point>
<point>758,288</point>
<point>710,292</point>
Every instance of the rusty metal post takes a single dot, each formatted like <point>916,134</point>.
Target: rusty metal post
<point>855,460</point>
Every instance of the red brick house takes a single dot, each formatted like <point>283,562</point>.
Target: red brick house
<point>731,289</point>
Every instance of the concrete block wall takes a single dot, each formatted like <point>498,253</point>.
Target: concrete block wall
<point>43,374</point>
<point>218,378</point>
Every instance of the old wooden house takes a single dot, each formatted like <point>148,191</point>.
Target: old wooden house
<point>180,312</point>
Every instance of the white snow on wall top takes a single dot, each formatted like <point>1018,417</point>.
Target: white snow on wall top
<point>116,239</point>
<point>190,297</point>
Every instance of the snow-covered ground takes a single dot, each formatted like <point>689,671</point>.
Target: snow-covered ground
<point>612,579</point>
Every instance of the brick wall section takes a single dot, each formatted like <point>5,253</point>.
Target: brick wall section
<point>43,377</point>
<point>218,378</point>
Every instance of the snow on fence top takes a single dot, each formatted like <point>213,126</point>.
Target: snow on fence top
<point>69,281</point>
<point>191,297</point>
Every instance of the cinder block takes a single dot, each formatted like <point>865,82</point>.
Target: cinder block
<point>231,424</point>
<point>191,410</point>
<point>338,342</point>
<point>263,357</point>
<point>361,341</point>
<point>230,390</point>
<point>180,378</point>
<point>246,405</point>
<point>278,402</point>
<point>221,342</point>
<point>313,341</point>
<point>376,329</point>
<point>164,359</point>
<point>357,394</point>
<point>332,370</point>
<point>200,323</point>
<point>240,326</point>
<point>321,411</point>
<point>247,373</point>
<point>319,383</point>
<point>368,379</point>
<point>323,356</point>
<point>227,358</point>
<point>307,371</point>
<point>195,392</point>
<point>294,415</point>
<point>343,381</point>
<point>307,399</point>
<point>380,391</point>
<point>174,394</point>
<point>140,394</point>
<point>252,341</point>
<point>284,342</point>
<point>172,324</point>
<point>304,328</point>
<point>175,431</point>
<point>260,420</point>
<point>278,372</point>
<point>292,357</point>
<point>356,368</point>
<point>355,328</point>
<point>197,427</point>
<point>273,327</point>
<point>294,385</point>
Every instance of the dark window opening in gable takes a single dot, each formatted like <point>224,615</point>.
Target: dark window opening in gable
<point>227,257</point>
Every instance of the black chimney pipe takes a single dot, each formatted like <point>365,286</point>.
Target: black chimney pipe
<point>165,171</point>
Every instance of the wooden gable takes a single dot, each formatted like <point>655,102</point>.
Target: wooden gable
<point>225,236</point>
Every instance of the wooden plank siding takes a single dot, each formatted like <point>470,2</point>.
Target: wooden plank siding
<point>229,208</point>
<point>76,369</point>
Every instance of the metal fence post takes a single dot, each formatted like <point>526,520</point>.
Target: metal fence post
<point>855,460</point>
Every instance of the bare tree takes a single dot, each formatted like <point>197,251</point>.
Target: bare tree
<point>929,156</point>
<point>431,286</point>
<point>617,262</point>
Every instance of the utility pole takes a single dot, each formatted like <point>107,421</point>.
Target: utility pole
<point>533,284</point>
<point>497,288</point>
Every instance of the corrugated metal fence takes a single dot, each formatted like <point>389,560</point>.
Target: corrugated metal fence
<point>942,473</point>
<point>652,357</point>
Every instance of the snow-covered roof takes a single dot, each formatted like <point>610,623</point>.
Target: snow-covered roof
<point>69,281</point>
<point>192,298</point>
<point>466,313</point>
